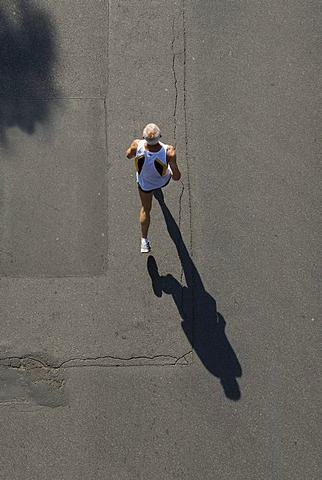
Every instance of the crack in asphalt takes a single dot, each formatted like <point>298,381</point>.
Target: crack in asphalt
<point>30,362</point>
<point>162,360</point>
<point>179,224</point>
<point>39,380</point>
<point>186,121</point>
<point>175,81</point>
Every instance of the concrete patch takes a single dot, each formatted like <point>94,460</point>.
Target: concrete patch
<point>53,195</point>
<point>29,379</point>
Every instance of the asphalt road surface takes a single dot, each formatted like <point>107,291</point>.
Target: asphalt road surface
<point>201,360</point>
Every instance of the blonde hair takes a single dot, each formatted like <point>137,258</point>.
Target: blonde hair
<point>151,133</point>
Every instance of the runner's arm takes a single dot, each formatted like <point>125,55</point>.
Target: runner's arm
<point>172,162</point>
<point>131,151</point>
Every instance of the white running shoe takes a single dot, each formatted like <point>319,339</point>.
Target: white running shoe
<point>145,247</point>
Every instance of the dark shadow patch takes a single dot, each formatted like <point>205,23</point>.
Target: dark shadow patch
<point>27,60</point>
<point>202,324</point>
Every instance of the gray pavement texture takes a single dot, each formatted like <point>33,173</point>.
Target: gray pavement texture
<point>201,360</point>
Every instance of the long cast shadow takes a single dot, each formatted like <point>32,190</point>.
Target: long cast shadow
<point>203,325</point>
<point>27,60</point>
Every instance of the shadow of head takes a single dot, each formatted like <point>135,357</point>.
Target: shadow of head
<point>27,60</point>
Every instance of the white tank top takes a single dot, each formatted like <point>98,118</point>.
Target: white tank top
<point>152,170</point>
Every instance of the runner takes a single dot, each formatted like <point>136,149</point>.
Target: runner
<point>155,164</point>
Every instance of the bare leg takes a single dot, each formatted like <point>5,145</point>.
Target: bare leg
<point>146,205</point>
